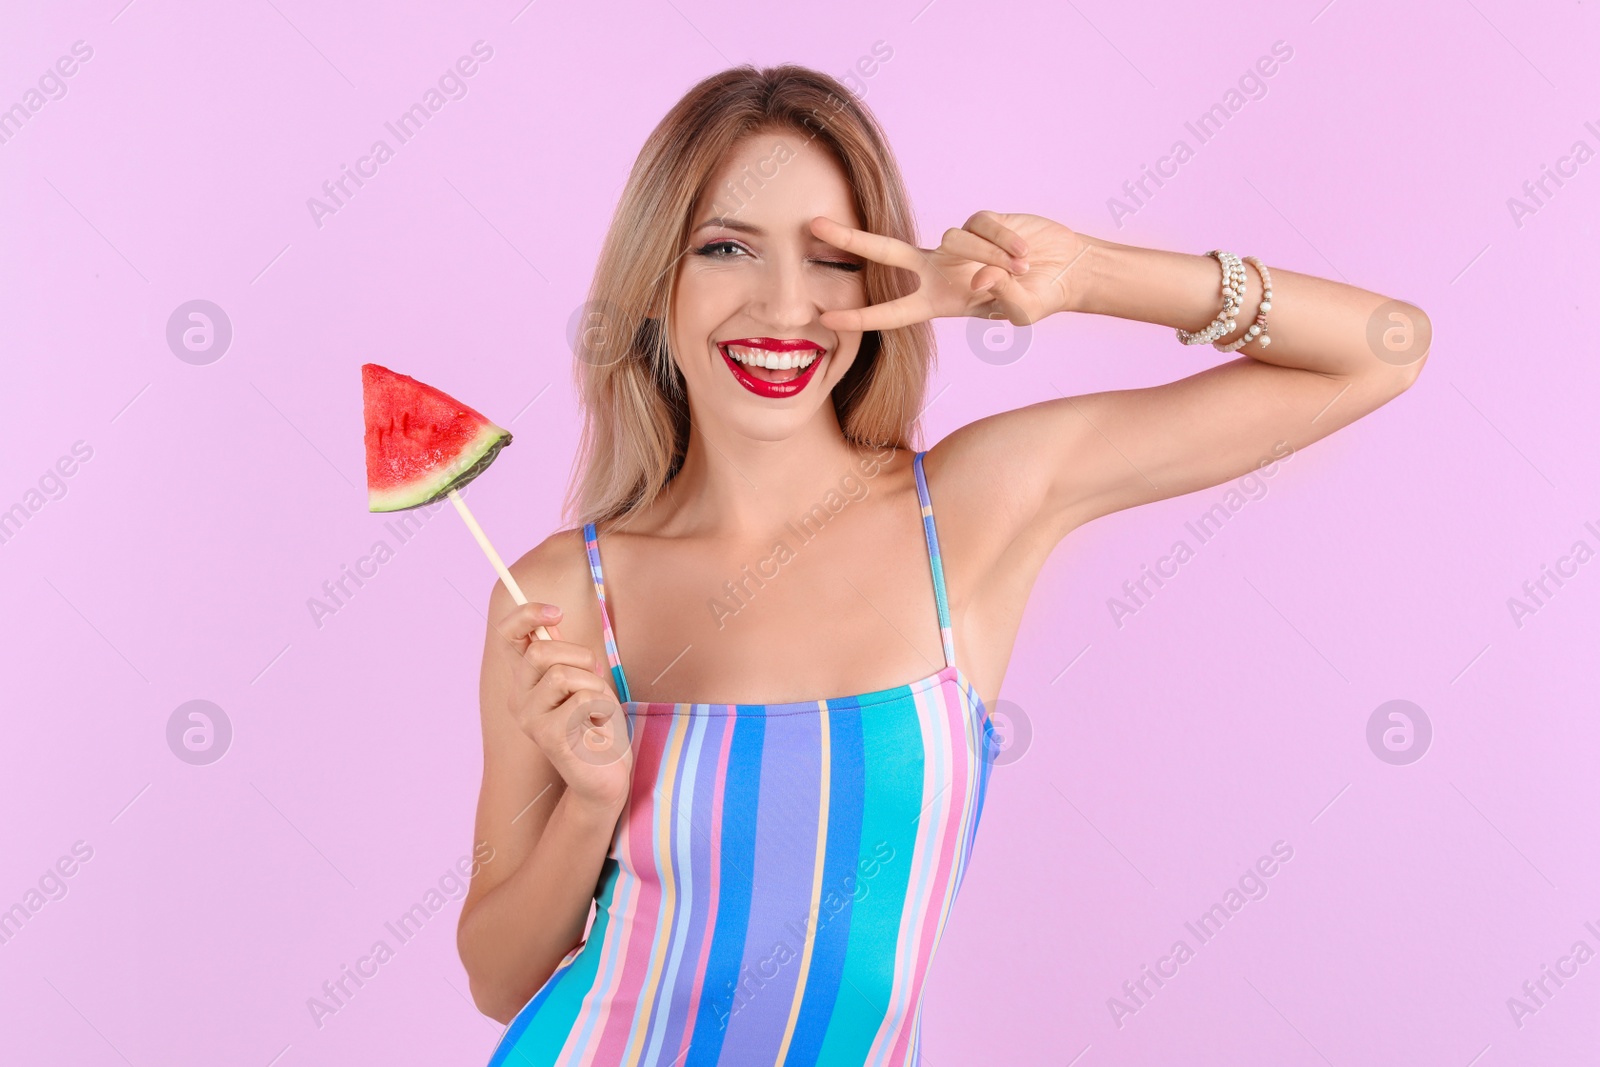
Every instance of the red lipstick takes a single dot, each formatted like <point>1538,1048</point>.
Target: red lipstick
<point>765,388</point>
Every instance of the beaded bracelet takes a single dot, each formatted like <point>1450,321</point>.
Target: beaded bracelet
<point>1233,289</point>
<point>1258,329</point>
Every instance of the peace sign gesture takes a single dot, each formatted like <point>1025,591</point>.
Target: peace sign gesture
<point>1012,266</point>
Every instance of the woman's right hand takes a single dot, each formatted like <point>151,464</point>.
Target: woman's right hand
<point>560,701</point>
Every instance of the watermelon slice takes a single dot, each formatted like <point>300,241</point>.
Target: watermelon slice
<point>421,443</point>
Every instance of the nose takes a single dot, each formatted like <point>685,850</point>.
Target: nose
<point>783,298</point>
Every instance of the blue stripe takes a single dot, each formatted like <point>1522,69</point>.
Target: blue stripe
<point>740,799</point>
<point>846,794</point>
<point>931,534</point>
<point>591,544</point>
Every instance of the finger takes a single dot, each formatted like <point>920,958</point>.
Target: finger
<point>873,246</point>
<point>887,316</point>
<point>1010,300</point>
<point>989,225</point>
<point>518,624</point>
<point>595,733</point>
<point>542,655</point>
<point>562,681</point>
<point>968,245</point>
<point>990,278</point>
<point>523,676</point>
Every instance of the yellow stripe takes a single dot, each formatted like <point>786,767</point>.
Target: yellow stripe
<point>663,843</point>
<point>816,892</point>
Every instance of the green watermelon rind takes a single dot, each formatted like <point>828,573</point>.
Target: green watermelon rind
<point>471,462</point>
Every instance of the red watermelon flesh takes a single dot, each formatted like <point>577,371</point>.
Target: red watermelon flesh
<point>421,443</point>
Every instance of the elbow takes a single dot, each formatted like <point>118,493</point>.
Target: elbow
<point>1400,335</point>
<point>1424,342</point>
<point>489,995</point>
<point>492,1002</point>
<point>500,985</point>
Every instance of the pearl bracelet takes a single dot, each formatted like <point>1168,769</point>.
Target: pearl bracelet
<point>1259,327</point>
<point>1233,289</point>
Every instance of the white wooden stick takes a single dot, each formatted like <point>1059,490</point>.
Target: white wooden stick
<point>494,557</point>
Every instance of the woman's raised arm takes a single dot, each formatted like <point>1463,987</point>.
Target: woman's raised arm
<point>1336,353</point>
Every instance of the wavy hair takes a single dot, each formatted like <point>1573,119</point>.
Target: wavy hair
<point>635,406</point>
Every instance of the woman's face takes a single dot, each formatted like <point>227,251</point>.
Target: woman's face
<point>753,285</point>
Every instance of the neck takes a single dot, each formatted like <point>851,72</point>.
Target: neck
<point>736,488</point>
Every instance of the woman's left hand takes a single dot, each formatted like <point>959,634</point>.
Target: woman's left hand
<point>1016,267</point>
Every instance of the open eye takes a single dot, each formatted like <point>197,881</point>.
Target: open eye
<point>716,249</point>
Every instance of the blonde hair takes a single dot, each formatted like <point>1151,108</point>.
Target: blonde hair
<point>635,408</point>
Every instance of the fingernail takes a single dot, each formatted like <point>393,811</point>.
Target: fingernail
<point>549,611</point>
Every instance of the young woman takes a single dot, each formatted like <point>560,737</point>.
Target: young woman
<point>772,824</point>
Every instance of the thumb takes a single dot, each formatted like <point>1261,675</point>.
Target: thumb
<point>990,278</point>
<point>1011,300</point>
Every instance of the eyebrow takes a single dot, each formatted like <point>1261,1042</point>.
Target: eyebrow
<point>730,224</point>
<point>744,227</point>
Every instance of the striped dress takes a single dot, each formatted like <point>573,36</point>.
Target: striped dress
<point>779,879</point>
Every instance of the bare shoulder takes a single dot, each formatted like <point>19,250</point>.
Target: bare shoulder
<point>557,565</point>
<point>989,487</point>
<point>556,571</point>
<point>990,484</point>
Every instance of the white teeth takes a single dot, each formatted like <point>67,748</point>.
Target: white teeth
<point>756,357</point>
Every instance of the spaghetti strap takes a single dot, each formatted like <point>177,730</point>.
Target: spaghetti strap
<point>591,542</point>
<point>946,633</point>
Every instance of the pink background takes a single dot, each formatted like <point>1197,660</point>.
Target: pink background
<point>1167,754</point>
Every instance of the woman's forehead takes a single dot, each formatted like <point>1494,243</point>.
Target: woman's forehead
<point>775,183</point>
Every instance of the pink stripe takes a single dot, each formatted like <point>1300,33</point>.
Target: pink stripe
<point>932,918</point>
<point>714,882</point>
<point>598,1000</point>
<point>621,1002</point>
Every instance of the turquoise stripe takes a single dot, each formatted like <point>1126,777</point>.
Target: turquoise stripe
<point>929,879</point>
<point>891,801</point>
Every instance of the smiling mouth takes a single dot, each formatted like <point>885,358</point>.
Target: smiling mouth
<point>772,368</point>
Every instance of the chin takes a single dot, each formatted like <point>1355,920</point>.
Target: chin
<point>770,426</point>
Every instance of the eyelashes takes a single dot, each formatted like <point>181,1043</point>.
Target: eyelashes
<point>714,250</point>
